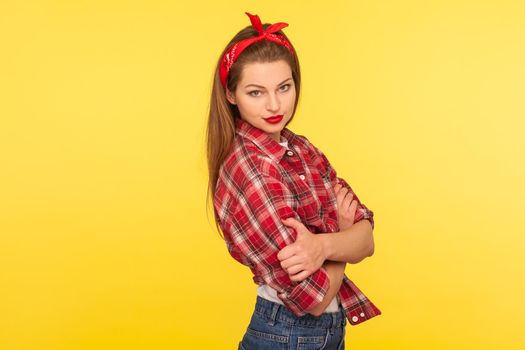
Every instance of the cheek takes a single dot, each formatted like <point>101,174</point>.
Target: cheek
<point>290,100</point>
<point>248,106</point>
<point>292,93</point>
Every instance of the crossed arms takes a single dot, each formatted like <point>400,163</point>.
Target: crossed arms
<point>259,235</point>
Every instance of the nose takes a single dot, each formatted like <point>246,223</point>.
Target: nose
<point>272,103</point>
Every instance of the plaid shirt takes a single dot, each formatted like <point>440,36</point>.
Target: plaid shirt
<point>261,182</point>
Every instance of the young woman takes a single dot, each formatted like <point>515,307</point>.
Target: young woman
<point>282,208</point>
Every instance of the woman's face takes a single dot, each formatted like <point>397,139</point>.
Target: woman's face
<point>265,90</point>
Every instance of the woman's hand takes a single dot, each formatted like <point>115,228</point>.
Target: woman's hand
<point>303,257</point>
<point>346,207</point>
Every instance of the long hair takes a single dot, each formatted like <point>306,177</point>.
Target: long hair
<point>220,132</point>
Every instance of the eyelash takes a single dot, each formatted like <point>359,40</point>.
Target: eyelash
<point>250,93</point>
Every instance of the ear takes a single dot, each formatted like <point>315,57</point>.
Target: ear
<point>230,96</point>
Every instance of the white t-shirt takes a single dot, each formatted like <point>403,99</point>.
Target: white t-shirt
<point>267,292</point>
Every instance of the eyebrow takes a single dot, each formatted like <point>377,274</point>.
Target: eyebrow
<point>263,86</point>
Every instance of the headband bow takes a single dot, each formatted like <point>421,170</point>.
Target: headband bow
<point>231,55</point>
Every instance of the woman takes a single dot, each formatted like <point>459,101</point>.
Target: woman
<point>283,210</point>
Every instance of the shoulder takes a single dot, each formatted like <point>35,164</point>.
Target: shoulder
<point>245,164</point>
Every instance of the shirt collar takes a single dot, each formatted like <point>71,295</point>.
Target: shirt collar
<point>262,140</point>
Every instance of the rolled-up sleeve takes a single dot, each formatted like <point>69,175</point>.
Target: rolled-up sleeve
<point>259,234</point>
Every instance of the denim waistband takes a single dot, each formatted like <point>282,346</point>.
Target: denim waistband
<point>275,311</point>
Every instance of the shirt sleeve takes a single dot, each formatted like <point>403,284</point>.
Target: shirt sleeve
<point>362,212</point>
<point>259,235</point>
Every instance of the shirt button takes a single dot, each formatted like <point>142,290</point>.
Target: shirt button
<point>302,177</point>
<point>290,153</point>
<point>362,314</point>
<point>354,318</point>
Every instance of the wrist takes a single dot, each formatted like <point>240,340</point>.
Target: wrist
<point>326,245</point>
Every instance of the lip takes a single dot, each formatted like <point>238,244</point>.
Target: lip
<point>274,119</point>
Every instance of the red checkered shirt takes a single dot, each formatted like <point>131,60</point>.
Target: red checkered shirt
<point>261,182</point>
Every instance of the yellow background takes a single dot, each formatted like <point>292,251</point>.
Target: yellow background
<point>105,241</point>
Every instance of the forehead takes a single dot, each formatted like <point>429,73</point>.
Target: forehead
<point>265,73</point>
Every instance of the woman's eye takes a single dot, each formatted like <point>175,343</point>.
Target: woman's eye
<point>251,93</point>
<point>288,85</point>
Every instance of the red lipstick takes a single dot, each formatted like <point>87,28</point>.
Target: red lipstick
<point>274,119</point>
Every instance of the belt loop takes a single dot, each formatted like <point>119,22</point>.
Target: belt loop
<point>334,322</point>
<point>275,308</point>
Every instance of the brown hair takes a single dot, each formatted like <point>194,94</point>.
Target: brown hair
<point>220,132</point>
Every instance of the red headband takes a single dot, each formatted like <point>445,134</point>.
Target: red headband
<point>231,55</point>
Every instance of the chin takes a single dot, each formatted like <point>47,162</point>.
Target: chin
<point>274,128</point>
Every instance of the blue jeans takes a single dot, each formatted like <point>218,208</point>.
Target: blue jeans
<point>273,326</point>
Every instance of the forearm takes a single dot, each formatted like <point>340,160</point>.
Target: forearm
<point>350,245</point>
<point>336,271</point>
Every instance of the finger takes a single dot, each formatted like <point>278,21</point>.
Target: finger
<point>292,222</point>
<point>344,201</point>
<point>300,276</point>
<point>340,196</point>
<point>294,269</point>
<point>291,261</point>
<point>347,201</point>
<point>340,188</point>
<point>353,207</point>
<point>297,225</point>
<point>352,210</point>
<point>286,252</point>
